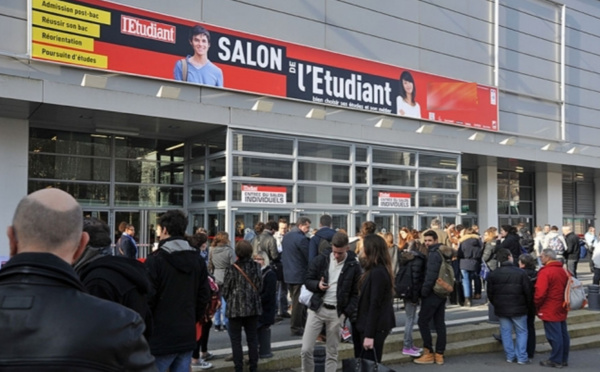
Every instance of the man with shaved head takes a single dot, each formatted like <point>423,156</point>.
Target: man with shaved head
<point>47,321</point>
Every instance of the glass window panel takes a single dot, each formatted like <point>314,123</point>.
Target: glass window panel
<point>72,143</point>
<point>197,194</point>
<point>375,199</point>
<point>361,154</point>
<point>438,161</point>
<point>245,142</point>
<point>148,149</point>
<point>68,168</point>
<point>526,193</point>
<point>237,190</point>
<point>323,150</point>
<point>148,172</point>
<point>148,196</point>
<point>216,192</point>
<point>395,177</point>
<point>469,206</point>
<point>198,172</point>
<point>323,194</point>
<point>397,157</point>
<point>361,174</point>
<point>469,191</point>
<point>216,168</point>
<point>437,180</point>
<point>360,197</point>
<point>430,199</point>
<point>262,167</point>
<point>217,143</point>
<point>87,194</point>
<point>323,172</point>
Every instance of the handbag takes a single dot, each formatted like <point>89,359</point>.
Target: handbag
<point>485,271</point>
<point>363,365</point>
<point>305,296</point>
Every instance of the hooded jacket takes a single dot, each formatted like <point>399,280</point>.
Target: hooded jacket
<point>418,263</point>
<point>49,323</point>
<point>434,261</point>
<point>470,252</point>
<point>180,295</point>
<point>121,280</point>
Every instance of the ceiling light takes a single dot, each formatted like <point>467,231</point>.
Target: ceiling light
<point>384,123</point>
<point>426,129</point>
<point>508,141</point>
<point>262,105</point>
<point>477,137</point>
<point>94,81</point>
<point>166,91</point>
<point>316,113</point>
<point>129,132</point>
<point>573,150</point>
<point>549,147</point>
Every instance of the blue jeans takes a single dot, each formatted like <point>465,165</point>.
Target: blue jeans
<point>174,362</point>
<point>506,328</point>
<point>558,338</point>
<point>411,317</point>
<point>467,277</point>
<point>220,318</point>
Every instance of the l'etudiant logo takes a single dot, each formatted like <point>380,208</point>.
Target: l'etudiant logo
<point>147,29</point>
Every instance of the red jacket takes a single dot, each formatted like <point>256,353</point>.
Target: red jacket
<point>550,292</point>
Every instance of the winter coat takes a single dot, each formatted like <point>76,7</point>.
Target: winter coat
<point>347,287</point>
<point>219,259</point>
<point>49,323</point>
<point>294,256</point>
<point>572,248</point>
<point>511,242</point>
<point>549,292</point>
<point>509,290</point>
<point>470,252</point>
<point>375,309</point>
<point>265,242</point>
<point>180,281</point>
<point>532,275</point>
<point>121,280</point>
<point>489,255</point>
<point>418,264</point>
<point>326,233</point>
<point>268,297</point>
<point>432,271</point>
<point>242,298</point>
<point>126,246</point>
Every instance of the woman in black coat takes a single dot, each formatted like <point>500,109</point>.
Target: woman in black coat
<point>268,299</point>
<point>375,316</point>
<point>509,239</point>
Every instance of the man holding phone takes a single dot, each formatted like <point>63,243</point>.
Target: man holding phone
<point>333,278</point>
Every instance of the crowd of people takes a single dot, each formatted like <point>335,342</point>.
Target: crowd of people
<point>157,313</point>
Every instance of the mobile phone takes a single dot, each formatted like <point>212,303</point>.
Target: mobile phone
<point>326,284</point>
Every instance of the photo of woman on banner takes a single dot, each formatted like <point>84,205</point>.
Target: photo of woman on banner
<point>405,102</point>
<point>198,68</point>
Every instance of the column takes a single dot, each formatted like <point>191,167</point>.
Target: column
<point>548,196</point>
<point>487,196</point>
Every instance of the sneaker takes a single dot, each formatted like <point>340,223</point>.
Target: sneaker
<point>202,364</point>
<point>524,362</point>
<point>551,364</point>
<point>439,358</point>
<point>411,352</point>
<point>509,361</point>
<point>218,328</point>
<point>208,356</point>
<point>417,349</point>
<point>426,358</point>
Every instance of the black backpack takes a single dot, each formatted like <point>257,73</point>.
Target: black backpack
<point>403,282</point>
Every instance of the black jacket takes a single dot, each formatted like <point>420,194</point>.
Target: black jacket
<point>418,263</point>
<point>121,280</point>
<point>347,287</point>
<point>375,310</point>
<point>49,323</point>
<point>126,246</point>
<point>470,252</point>
<point>509,290</point>
<point>572,249</point>
<point>511,242</point>
<point>268,297</point>
<point>434,261</point>
<point>180,295</point>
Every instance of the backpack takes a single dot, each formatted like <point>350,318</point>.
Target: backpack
<point>583,249</point>
<point>575,298</point>
<point>215,298</point>
<point>526,241</point>
<point>557,245</point>
<point>403,282</point>
<point>444,285</point>
<point>323,245</point>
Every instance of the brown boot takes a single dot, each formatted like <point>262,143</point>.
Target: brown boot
<point>426,358</point>
<point>439,358</point>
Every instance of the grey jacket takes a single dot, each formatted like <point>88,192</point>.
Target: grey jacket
<point>219,259</point>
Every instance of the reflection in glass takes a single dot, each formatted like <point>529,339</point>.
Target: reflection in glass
<point>323,172</point>
<point>262,167</point>
<point>438,161</point>
<point>148,149</point>
<point>396,157</point>
<point>216,168</point>
<point>362,174</point>
<point>87,194</point>
<point>323,150</point>
<point>323,194</point>
<point>437,180</point>
<point>135,171</point>
<point>216,192</point>
<point>395,177</point>
<point>360,197</point>
<point>198,171</point>
<point>148,196</point>
<point>71,143</point>
<point>197,194</point>
<point>246,142</point>
<point>361,153</point>
<point>68,168</point>
<point>431,199</point>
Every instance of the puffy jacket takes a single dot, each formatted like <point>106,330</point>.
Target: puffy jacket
<point>121,280</point>
<point>549,292</point>
<point>266,243</point>
<point>242,298</point>
<point>294,256</point>
<point>509,290</point>
<point>347,287</point>
<point>180,281</point>
<point>417,263</point>
<point>470,252</point>
<point>49,323</point>
<point>434,261</point>
<point>489,255</point>
<point>511,242</point>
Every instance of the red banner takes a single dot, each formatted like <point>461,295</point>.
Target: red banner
<point>118,38</point>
